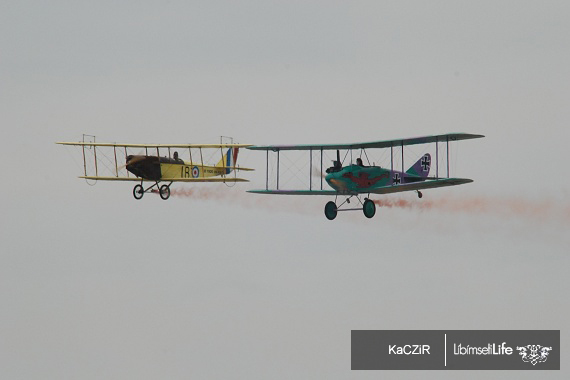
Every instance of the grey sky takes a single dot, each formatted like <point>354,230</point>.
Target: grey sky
<point>94,284</point>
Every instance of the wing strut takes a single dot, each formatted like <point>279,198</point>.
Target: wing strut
<point>392,157</point>
<point>126,161</point>
<point>402,156</point>
<point>84,162</point>
<point>436,159</point>
<point>202,161</point>
<point>447,140</point>
<point>116,166</point>
<point>310,169</point>
<point>222,156</point>
<point>321,168</point>
<point>95,155</point>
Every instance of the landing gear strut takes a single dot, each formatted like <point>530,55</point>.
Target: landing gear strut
<point>368,207</point>
<point>164,190</point>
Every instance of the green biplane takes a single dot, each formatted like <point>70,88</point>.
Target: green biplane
<point>355,179</point>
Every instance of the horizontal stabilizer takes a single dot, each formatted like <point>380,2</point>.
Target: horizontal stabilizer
<point>230,167</point>
<point>427,184</point>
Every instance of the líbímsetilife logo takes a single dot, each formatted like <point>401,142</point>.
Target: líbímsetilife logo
<point>490,349</point>
<point>534,353</point>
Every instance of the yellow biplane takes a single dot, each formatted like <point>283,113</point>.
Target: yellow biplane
<point>148,165</point>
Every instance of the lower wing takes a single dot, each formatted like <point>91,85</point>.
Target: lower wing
<point>135,179</point>
<point>295,192</point>
<point>427,184</point>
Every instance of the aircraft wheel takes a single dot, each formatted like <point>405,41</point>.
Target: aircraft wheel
<point>420,194</point>
<point>138,192</point>
<point>165,192</point>
<point>369,208</point>
<point>330,210</point>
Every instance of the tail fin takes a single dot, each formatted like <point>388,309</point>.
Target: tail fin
<point>229,159</point>
<point>421,167</point>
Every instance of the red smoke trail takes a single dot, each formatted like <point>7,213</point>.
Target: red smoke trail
<point>222,194</point>
<point>204,193</point>
<point>509,208</point>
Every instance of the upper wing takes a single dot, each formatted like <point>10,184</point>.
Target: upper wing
<point>137,179</point>
<point>156,145</point>
<point>372,144</point>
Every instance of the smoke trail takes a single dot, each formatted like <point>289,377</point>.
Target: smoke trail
<point>203,193</point>
<point>542,210</point>
<point>547,210</point>
<point>247,200</point>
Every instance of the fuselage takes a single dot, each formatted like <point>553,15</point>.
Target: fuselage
<point>157,168</point>
<point>361,179</point>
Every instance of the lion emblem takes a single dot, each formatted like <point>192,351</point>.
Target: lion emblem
<point>534,353</point>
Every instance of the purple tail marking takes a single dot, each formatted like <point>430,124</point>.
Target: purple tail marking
<point>421,167</point>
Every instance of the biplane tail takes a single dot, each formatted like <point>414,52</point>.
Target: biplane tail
<point>229,160</point>
<point>421,167</point>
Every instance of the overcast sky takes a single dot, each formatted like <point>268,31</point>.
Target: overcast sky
<point>94,284</point>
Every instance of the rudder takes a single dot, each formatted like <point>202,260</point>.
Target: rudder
<point>229,160</point>
<point>421,167</point>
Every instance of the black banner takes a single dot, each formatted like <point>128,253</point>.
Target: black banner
<point>455,349</point>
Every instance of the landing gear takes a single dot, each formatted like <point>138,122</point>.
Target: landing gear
<point>330,210</point>
<point>164,192</point>
<point>138,191</point>
<point>369,208</point>
<point>420,194</point>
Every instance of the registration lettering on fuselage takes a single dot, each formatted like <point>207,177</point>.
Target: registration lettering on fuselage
<point>195,171</point>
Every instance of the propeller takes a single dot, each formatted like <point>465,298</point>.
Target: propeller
<point>316,172</point>
<point>133,160</point>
